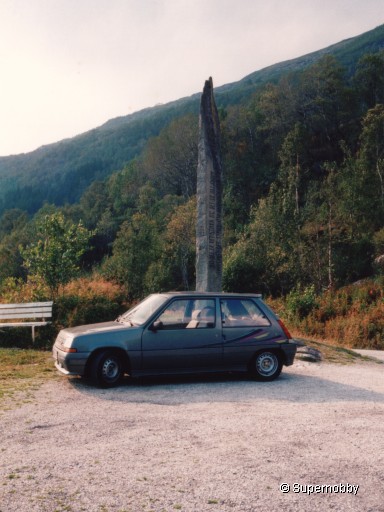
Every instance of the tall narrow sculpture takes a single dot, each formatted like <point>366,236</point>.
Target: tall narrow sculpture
<point>209,197</point>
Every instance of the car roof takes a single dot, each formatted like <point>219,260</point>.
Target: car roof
<point>210,294</point>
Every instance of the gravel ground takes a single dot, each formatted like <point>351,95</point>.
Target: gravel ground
<point>222,443</point>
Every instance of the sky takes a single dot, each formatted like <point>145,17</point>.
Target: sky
<point>68,66</point>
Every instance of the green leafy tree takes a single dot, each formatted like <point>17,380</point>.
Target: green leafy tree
<point>180,238</point>
<point>170,160</point>
<point>327,109</point>
<point>246,176</point>
<point>265,258</point>
<point>136,247</point>
<point>12,220</point>
<point>292,170</point>
<point>278,111</point>
<point>13,231</point>
<point>372,156</point>
<point>10,259</point>
<point>175,267</point>
<point>123,189</point>
<point>369,78</point>
<point>55,256</point>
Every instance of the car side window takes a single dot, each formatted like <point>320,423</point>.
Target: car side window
<point>242,313</point>
<point>203,314</point>
<point>188,314</point>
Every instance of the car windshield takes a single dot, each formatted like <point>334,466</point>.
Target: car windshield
<point>140,313</point>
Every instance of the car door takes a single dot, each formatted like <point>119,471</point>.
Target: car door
<point>185,336</point>
<point>245,328</point>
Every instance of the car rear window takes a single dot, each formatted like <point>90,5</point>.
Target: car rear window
<point>242,313</point>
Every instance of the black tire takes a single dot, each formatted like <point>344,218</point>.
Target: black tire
<point>266,365</point>
<point>107,369</point>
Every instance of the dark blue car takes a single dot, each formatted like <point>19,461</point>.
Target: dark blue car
<point>179,332</point>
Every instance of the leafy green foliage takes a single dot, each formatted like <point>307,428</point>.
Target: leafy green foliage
<point>170,159</point>
<point>55,256</point>
<point>300,302</point>
<point>135,248</point>
<point>351,316</point>
<point>82,301</point>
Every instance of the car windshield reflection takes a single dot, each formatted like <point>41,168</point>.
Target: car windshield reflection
<point>140,313</point>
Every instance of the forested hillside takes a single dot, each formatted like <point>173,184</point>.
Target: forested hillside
<point>59,173</point>
<point>303,160</point>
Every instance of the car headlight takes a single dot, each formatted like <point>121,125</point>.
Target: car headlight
<point>65,342</point>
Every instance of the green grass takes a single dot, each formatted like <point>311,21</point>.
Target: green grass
<point>23,370</point>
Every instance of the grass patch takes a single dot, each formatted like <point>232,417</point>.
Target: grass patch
<point>336,354</point>
<point>22,370</point>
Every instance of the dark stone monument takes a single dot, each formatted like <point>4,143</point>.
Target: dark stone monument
<point>209,196</point>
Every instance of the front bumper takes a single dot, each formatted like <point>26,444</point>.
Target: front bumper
<point>70,363</point>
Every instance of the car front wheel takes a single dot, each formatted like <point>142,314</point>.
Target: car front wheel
<point>266,365</point>
<point>107,369</point>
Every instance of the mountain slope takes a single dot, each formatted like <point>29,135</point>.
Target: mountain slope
<point>60,172</point>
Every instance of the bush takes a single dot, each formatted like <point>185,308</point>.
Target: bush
<point>352,316</point>
<point>301,302</point>
<point>16,290</point>
<point>83,301</point>
<point>71,310</point>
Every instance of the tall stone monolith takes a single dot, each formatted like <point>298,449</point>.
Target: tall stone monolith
<point>209,196</point>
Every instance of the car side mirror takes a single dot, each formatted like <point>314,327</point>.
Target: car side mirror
<point>156,326</point>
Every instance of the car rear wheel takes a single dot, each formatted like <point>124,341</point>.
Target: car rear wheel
<point>266,365</point>
<point>107,369</point>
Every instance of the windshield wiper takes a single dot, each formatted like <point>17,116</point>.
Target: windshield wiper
<point>123,320</point>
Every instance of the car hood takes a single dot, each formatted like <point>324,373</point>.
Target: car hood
<point>98,328</point>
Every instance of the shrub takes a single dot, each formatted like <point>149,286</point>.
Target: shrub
<point>87,301</point>
<point>83,301</point>
<point>17,290</point>
<point>300,302</point>
<point>352,316</point>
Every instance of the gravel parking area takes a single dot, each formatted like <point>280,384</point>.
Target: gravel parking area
<point>222,443</point>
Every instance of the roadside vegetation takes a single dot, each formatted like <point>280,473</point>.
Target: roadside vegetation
<point>332,323</point>
<point>84,300</point>
<point>303,203</point>
<point>352,316</point>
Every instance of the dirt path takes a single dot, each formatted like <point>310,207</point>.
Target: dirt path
<point>222,444</point>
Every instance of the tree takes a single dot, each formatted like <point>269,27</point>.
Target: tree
<point>266,256</point>
<point>247,176</point>
<point>56,255</point>
<point>369,78</point>
<point>123,189</point>
<point>181,240</point>
<point>12,220</point>
<point>292,154</point>
<point>326,109</point>
<point>13,231</point>
<point>93,203</point>
<point>372,155</point>
<point>278,106</point>
<point>136,247</point>
<point>170,160</point>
